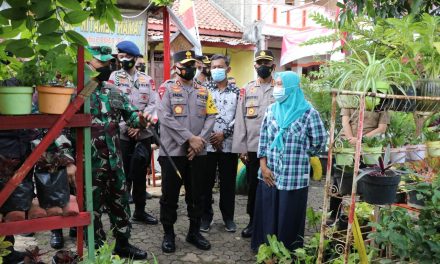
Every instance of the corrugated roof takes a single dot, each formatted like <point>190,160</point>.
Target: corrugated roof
<point>155,35</point>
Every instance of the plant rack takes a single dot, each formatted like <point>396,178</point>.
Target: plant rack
<point>345,241</point>
<point>70,118</point>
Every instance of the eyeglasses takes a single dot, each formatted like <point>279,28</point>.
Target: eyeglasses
<point>104,50</point>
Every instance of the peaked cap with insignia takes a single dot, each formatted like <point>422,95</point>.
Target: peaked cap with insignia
<point>264,55</point>
<point>184,56</point>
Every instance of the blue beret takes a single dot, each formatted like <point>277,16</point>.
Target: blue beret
<point>129,48</point>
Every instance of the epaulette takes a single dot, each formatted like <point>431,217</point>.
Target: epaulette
<point>121,73</point>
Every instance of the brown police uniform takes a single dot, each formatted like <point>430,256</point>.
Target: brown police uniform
<point>372,120</point>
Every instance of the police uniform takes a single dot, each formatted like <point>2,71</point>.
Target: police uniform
<point>184,111</point>
<point>254,99</point>
<point>136,153</point>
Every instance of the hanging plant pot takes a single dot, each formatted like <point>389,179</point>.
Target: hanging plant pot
<point>433,148</point>
<point>370,156</point>
<point>380,189</point>
<point>347,101</point>
<point>344,156</point>
<point>16,100</point>
<point>345,182</point>
<point>415,152</point>
<point>428,88</point>
<point>53,100</point>
<point>398,155</point>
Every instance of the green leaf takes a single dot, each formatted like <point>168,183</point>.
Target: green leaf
<point>17,44</point>
<point>114,12</point>
<point>9,32</point>
<point>41,8</point>
<point>17,3</point>
<point>25,52</point>
<point>48,26</point>
<point>71,4</point>
<point>76,17</point>
<point>30,23</point>
<point>340,5</point>
<point>48,14</point>
<point>14,13</point>
<point>49,39</point>
<point>75,37</point>
<point>110,22</point>
<point>4,21</point>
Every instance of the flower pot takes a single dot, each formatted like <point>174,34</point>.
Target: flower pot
<point>415,152</point>
<point>345,156</point>
<point>370,156</point>
<point>398,155</point>
<point>433,148</point>
<point>53,100</point>
<point>413,201</point>
<point>347,101</point>
<point>428,88</point>
<point>16,100</point>
<point>345,182</point>
<point>380,189</point>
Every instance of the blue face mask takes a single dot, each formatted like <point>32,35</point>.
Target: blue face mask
<point>279,93</point>
<point>218,74</point>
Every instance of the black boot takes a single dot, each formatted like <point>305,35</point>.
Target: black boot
<point>247,231</point>
<point>72,232</point>
<point>168,243</point>
<point>126,250</point>
<point>57,239</point>
<point>195,237</point>
<point>142,216</point>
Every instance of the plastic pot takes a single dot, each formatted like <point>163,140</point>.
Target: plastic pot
<point>428,88</point>
<point>16,100</point>
<point>413,201</point>
<point>433,148</point>
<point>415,152</point>
<point>398,155</point>
<point>370,156</point>
<point>344,156</point>
<point>53,100</point>
<point>345,182</point>
<point>380,189</point>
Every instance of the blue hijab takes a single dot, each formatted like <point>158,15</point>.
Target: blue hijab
<point>289,110</point>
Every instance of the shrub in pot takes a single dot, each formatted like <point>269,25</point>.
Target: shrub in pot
<point>416,150</point>
<point>431,131</point>
<point>380,182</point>
<point>372,149</point>
<point>344,153</point>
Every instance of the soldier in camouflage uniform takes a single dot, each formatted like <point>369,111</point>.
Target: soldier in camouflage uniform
<point>108,105</point>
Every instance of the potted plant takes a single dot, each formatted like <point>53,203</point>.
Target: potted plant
<point>344,153</point>
<point>40,33</point>
<point>273,252</point>
<point>372,149</point>
<point>397,134</point>
<point>65,257</point>
<point>380,181</point>
<point>431,131</point>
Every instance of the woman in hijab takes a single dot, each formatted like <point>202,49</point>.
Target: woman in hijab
<point>291,133</point>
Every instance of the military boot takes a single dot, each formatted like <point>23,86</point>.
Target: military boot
<point>126,250</point>
<point>195,237</point>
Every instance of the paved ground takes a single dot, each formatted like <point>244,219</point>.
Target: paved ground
<point>226,247</point>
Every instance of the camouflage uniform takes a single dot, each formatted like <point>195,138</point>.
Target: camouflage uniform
<point>108,105</point>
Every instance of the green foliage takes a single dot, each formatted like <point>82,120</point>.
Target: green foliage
<point>47,44</point>
<point>412,238</point>
<point>273,252</point>
<point>313,219</point>
<point>372,142</point>
<point>401,128</point>
<point>162,2</point>
<point>4,248</point>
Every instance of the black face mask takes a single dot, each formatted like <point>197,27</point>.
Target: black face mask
<point>104,73</point>
<point>187,72</point>
<point>127,64</point>
<point>264,71</point>
<point>141,67</point>
<point>206,71</point>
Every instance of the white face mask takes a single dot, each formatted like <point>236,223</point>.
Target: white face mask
<point>279,93</point>
<point>198,72</point>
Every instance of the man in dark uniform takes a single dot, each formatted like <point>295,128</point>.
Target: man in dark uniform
<point>255,97</point>
<point>108,104</point>
<point>135,142</point>
<point>203,73</point>
<point>187,116</point>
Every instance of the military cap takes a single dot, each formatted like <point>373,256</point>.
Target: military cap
<point>184,56</point>
<point>129,48</point>
<point>204,59</point>
<point>264,55</point>
<point>102,53</point>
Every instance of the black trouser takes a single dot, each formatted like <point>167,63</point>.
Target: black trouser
<point>227,168</point>
<point>252,179</point>
<point>193,178</point>
<point>136,156</point>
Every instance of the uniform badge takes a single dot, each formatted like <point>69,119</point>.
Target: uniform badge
<point>144,97</point>
<point>250,111</point>
<point>161,91</point>
<point>242,93</point>
<point>178,109</point>
<point>202,91</point>
<point>252,89</point>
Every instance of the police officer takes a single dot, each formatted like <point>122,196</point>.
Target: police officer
<point>187,116</point>
<point>255,97</point>
<point>203,73</point>
<point>135,142</point>
<point>108,105</point>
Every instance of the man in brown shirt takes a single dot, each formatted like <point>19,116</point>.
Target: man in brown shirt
<point>375,123</point>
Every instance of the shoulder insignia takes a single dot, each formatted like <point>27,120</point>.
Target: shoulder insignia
<point>242,93</point>
<point>153,86</point>
<point>176,89</point>
<point>161,91</point>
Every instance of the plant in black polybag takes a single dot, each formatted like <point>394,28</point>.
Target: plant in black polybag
<point>52,188</point>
